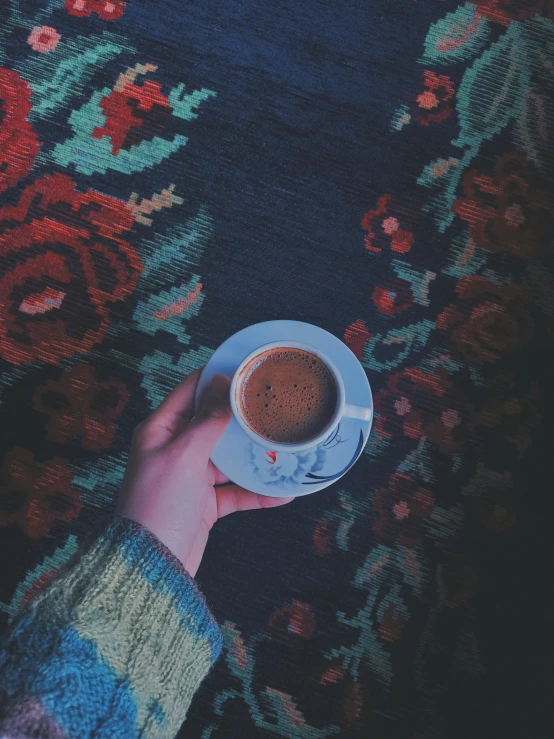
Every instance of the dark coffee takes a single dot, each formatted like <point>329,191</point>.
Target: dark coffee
<point>287,395</point>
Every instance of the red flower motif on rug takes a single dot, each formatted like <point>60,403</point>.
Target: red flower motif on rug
<point>418,404</point>
<point>356,337</point>
<point>488,322</point>
<point>394,297</point>
<point>324,536</point>
<point>43,39</point>
<point>434,104</point>
<point>134,113</point>
<point>293,621</point>
<point>36,494</point>
<point>19,144</point>
<point>401,510</point>
<point>62,263</point>
<point>108,10</point>
<point>508,211</point>
<point>81,406</point>
<point>385,226</point>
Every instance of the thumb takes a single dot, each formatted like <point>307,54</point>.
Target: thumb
<point>211,420</point>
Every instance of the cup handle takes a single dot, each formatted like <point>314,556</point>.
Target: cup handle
<point>358,412</point>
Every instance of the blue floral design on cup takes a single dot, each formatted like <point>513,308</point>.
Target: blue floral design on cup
<point>284,469</point>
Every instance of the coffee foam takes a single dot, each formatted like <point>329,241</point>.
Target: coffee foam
<point>287,395</point>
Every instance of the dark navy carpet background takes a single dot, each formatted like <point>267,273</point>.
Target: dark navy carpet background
<point>293,150</point>
<point>295,146</point>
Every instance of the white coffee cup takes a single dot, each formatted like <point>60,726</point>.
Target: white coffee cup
<point>342,410</point>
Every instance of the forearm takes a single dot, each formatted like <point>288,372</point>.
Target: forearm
<point>116,646</point>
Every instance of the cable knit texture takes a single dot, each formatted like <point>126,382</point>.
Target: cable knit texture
<point>115,647</point>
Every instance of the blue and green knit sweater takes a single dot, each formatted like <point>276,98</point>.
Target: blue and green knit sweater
<point>115,647</point>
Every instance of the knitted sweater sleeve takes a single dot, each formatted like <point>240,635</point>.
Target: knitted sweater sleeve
<point>114,647</point>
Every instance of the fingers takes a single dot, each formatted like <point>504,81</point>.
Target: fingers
<point>176,410</point>
<point>232,498</point>
<point>219,477</point>
<point>209,424</point>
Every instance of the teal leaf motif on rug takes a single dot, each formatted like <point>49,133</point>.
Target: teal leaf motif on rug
<point>385,352</point>
<point>493,89</point>
<point>98,482</point>
<point>161,372</point>
<point>408,561</point>
<point>535,130</point>
<point>168,308</point>
<point>165,255</point>
<point>538,35</point>
<point>378,567</point>
<point>55,83</point>
<point>272,710</point>
<point>437,172</point>
<point>535,124</point>
<point>420,281</point>
<point>48,567</point>
<point>491,94</point>
<point>465,257</point>
<point>90,155</point>
<point>184,105</point>
<point>457,37</point>
<point>418,463</point>
<point>444,523</point>
<point>168,258</point>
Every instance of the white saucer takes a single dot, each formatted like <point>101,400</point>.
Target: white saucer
<point>285,473</point>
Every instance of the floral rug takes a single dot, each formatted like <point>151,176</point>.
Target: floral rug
<point>171,172</point>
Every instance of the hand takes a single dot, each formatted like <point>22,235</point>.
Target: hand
<point>170,486</point>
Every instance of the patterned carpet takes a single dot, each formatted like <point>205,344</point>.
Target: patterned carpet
<point>171,172</point>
